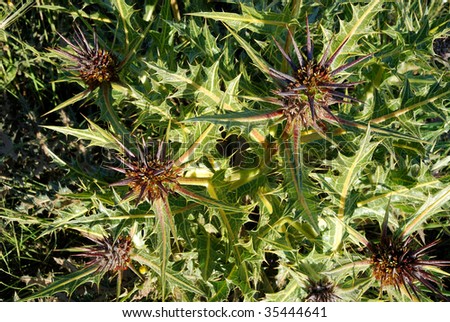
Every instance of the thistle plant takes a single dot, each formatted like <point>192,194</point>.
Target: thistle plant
<point>152,175</point>
<point>107,255</point>
<point>97,68</point>
<point>305,95</point>
<point>266,191</point>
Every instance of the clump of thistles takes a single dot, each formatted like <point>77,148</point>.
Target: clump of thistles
<point>94,65</point>
<point>395,262</point>
<point>307,93</point>
<point>108,255</point>
<point>150,175</point>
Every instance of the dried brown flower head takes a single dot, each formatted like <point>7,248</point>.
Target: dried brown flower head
<point>108,255</point>
<point>150,176</point>
<point>321,291</point>
<point>307,94</point>
<point>396,263</point>
<point>94,65</point>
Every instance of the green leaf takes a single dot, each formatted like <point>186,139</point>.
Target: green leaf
<point>222,290</point>
<point>254,55</point>
<point>5,22</point>
<point>165,225</point>
<point>428,209</point>
<point>70,101</point>
<point>204,200</point>
<point>291,293</point>
<point>435,93</point>
<point>349,170</point>
<point>359,26</point>
<point>298,183</point>
<point>68,283</point>
<point>175,279</point>
<point>125,13</point>
<point>207,246</point>
<point>383,131</point>
<point>207,89</point>
<point>238,119</point>
<point>250,18</point>
<point>94,134</point>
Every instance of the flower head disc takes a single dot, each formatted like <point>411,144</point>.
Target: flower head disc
<point>310,90</point>
<point>94,65</point>
<point>149,176</point>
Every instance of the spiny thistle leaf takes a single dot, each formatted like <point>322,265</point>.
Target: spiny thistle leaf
<point>207,88</point>
<point>428,209</point>
<point>94,134</point>
<point>68,283</point>
<point>248,18</point>
<point>172,277</point>
<point>340,187</point>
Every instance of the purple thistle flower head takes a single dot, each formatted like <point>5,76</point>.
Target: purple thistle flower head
<point>395,262</point>
<point>108,255</point>
<point>94,65</point>
<point>311,88</point>
<point>150,176</point>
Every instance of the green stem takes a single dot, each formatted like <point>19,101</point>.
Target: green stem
<point>232,236</point>
<point>162,214</point>
<point>119,284</point>
<point>109,111</point>
<point>295,168</point>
